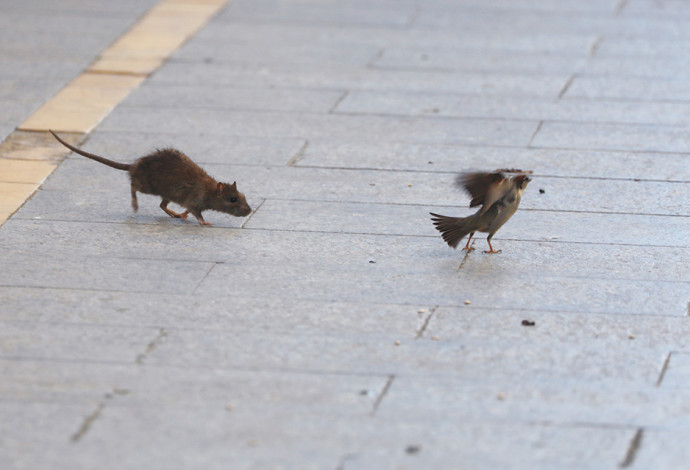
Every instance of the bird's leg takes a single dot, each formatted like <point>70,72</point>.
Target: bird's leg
<point>468,247</point>
<point>491,248</point>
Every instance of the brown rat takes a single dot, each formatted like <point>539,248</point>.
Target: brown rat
<point>171,175</point>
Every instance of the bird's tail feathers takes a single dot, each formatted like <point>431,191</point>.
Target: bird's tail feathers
<point>453,229</point>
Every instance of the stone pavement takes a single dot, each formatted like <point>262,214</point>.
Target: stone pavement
<point>333,328</point>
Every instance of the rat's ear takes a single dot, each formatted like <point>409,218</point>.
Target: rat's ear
<point>233,186</point>
<point>219,188</point>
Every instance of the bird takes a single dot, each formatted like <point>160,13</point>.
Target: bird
<point>499,198</point>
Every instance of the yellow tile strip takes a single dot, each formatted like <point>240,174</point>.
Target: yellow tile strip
<point>29,155</point>
<point>151,41</point>
<point>82,104</point>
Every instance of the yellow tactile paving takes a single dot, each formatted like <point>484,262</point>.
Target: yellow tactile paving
<point>82,104</point>
<point>25,171</point>
<point>30,154</point>
<point>151,41</point>
<point>14,194</point>
<point>26,145</point>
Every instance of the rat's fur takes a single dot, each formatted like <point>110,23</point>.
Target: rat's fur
<point>174,177</point>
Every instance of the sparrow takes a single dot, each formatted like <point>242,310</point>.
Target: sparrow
<point>499,198</point>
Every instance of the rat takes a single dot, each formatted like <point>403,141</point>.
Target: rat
<point>174,177</point>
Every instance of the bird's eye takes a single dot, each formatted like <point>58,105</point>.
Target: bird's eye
<point>233,200</point>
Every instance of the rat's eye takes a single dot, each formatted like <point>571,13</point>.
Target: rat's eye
<point>233,200</point>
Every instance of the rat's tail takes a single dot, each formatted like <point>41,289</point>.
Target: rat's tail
<point>454,229</point>
<point>105,161</point>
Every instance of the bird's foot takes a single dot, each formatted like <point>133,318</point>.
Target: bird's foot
<point>493,251</point>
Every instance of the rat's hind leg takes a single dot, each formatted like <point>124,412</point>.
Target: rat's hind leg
<point>174,215</point>
<point>135,204</point>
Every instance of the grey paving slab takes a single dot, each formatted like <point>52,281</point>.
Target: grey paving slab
<point>114,206</point>
<point>641,46</point>
<point>333,328</point>
<point>638,66</point>
<point>378,353</point>
<point>316,101</point>
<point>525,225</point>
<point>36,435</point>
<point>630,137</point>
<point>340,36</point>
<point>232,312</point>
<point>102,273</point>
<point>52,380</point>
<point>565,22</point>
<point>280,52</point>
<point>79,7</point>
<point>536,291</point>
<point>20,96</point>
<point>629,88</point>
<point>418,188</point>
<point>543,8</point>
<point>676,373</point>
<point>485,61</point>
<point>597,402</point>
<point>455,158</point>
<point>240,247</point>
<point>42,48</point>
<point>338,13</point>
<point>655,335</point>
<point>669,9</point>
<point>260,124</point>
<point>203,149</point>
<point>73,342</point>
<point>302,444</point>
<point>660,450</point>
<point>283,75</point>
<point>494,446</point>
<point>408,104</point>
<point>5,130</point>
<point>213,389</point>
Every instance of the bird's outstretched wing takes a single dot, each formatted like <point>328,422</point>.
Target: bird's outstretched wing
<point>484,188</point>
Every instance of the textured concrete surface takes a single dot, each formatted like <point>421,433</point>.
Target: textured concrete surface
<point>333,328</point>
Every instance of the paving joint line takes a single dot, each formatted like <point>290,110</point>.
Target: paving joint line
<point>338,101</point>
<point>619,7</point>
<point>422,329</point>
<point>162,334</point>
<point>91,418</point>
<point>466,255</point>
<point>298,156</point>
<point>534,135</point>
<point>566,87</point>
<point>413,17</point>
<point>664,368</point>
<point>246,221</point>
<point>595,45</point>
<point>343,460</point>
<point>213,266</point>
<point>382,395</point>
<point>373,60</point>
<point>634,447</point>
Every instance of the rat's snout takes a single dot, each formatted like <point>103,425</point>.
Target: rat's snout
<point>246,210</point>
